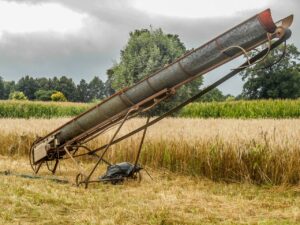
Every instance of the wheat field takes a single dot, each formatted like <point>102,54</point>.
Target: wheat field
<point>212,171</point>
<point>260,151</point>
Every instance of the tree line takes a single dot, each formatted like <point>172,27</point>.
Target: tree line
<point>43,88</point>
<point>148,50</point>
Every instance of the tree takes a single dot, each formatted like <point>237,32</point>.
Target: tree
<point>108,84</point>
<point>43,83</point>
<point>213,95</point>
<point>44,95</point>
<point>67,87</point>
<point>229,98</point>
<point>2,89</point>
<point>96,88</point>
<point>146,52</point>
<point>83,94</point>
<point>17,95</point>
<point>9,87</point>
<point>58,97</point>
<point>279,81</point>
<point>54,83</point>
<point>27,85</point>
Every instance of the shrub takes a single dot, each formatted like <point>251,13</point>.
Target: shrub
<point>17,95</point>
<point>44,95</point>
<point>58,97</point>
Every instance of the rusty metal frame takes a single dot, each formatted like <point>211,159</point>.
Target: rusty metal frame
<point>265,20</point>
<point>87,179</point>
<point>84,178</point>
<point>255,58</point>
<point>147,104</point>
<point>287,21</point>
<point>69,150</point>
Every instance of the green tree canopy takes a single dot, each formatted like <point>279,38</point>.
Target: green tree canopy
<point>213,95</point>
<point>146,52</point>
<point>279,81</point>
<point>42,88</point>
<point>96,89</point>
<point>44,95</point>
<point>28,86</point>
<point>2,89</point>
<point>44,83</point>
<point>9,87</point>
<point>67,87</point>
<point>83,91</point>
<point>108,84</point>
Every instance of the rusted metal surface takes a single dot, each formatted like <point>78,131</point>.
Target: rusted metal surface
<point>158,86</point>
<point>245,35</point>
<point>257,57</point>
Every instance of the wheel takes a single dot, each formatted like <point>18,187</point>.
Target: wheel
<point>138,176</point>
<point>80,179</point>
<point>51,167</point>
<point>119,180</point>
<point>35,167</point>
<point>114,182</point>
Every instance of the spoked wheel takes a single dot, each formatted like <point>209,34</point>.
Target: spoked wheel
<point>137,176</point>
<point>35,167</point>
<point>119,180</point>
<point>80,179</point>
<point>52,166</point>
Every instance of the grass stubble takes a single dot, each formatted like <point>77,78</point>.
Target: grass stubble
<point>212,171</point>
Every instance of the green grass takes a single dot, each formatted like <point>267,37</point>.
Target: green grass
<point>30,109</point>
<point>231,109</point>
<point>244,109</point>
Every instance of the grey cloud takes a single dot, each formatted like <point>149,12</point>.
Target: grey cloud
<point>93,50</point>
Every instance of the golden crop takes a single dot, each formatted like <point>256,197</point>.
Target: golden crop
<point>258,151</point>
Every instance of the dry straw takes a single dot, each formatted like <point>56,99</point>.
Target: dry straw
<point>256,151</point>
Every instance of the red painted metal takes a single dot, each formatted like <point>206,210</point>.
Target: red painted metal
<point>265,18</point>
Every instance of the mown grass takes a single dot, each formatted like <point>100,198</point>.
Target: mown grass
<point>231,109</point>
<point>254,151</point>
<point>168,199</point>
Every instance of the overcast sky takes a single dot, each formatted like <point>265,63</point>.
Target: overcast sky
<point>81,39</point>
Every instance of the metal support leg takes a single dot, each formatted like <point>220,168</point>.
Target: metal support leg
<point>55,166</point>
<point>105,150</point>
<point>80,169</point>
<point>94,154</point>
<point>38,168</point>
<point>142,142</point>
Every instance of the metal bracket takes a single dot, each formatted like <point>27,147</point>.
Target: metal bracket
<point>246,53</point>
